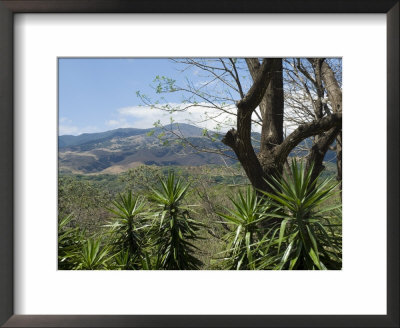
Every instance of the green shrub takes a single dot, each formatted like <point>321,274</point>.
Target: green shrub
<point>70,241</point>
<point>242,249</point>
<point>128,231</point>
<point>175,230</point>
<point>305,239</point>
<point>92,256</point>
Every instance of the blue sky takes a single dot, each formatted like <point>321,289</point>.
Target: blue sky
<point>99,94</point>
<point>92,92</point>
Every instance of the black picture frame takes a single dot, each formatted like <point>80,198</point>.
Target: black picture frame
<point>10,7</point>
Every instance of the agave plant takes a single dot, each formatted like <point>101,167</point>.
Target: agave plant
<point>122,261</point>
<point>93,256</point>
<point>70,241</point>
<point>243,250</point>
<point>306,238</point>
<point>128,231</point>
<point>175,230</point>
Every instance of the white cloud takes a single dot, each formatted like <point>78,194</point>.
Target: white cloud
<point>64,129</point>
<point>112,122</point>
<point>142,117</point>
<point>65,120</point>
<point>67,129</point>
<point>115,123</point>
<point>201,115</point>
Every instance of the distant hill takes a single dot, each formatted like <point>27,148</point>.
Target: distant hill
<point>86,138</point>
<point>118,150</point>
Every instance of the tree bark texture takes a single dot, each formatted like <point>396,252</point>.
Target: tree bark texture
<point>335,97</point>
<point>267,94</point>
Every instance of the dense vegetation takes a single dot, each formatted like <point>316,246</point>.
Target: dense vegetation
<point>205,217</point>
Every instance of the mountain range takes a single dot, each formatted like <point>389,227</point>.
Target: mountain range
<point>118,150</point>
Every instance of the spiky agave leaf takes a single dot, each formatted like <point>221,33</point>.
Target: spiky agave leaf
<point>242,251</point>
<point>93,256</point>
<point>70,240</point>
<point>128,230</point>
<point>303,240</point>
<point>176,231</point>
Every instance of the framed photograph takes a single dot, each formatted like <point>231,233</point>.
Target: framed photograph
<point>175,164</point>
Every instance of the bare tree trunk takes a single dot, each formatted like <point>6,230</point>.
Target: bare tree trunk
<point>335,97</point>
<point>240,139</point>
<point>339,159</point>
<point>323,141</point>
<point>271,108</point>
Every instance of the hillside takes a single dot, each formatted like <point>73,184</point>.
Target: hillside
<point>116,151</point>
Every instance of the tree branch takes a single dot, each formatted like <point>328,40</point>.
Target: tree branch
<point>318,152</point>
<point>257,90</point>
<point>332,87</point>
<point>253,64</point>
<point>304,131</point>
<point>319,149</point>
<point>230,139</point>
